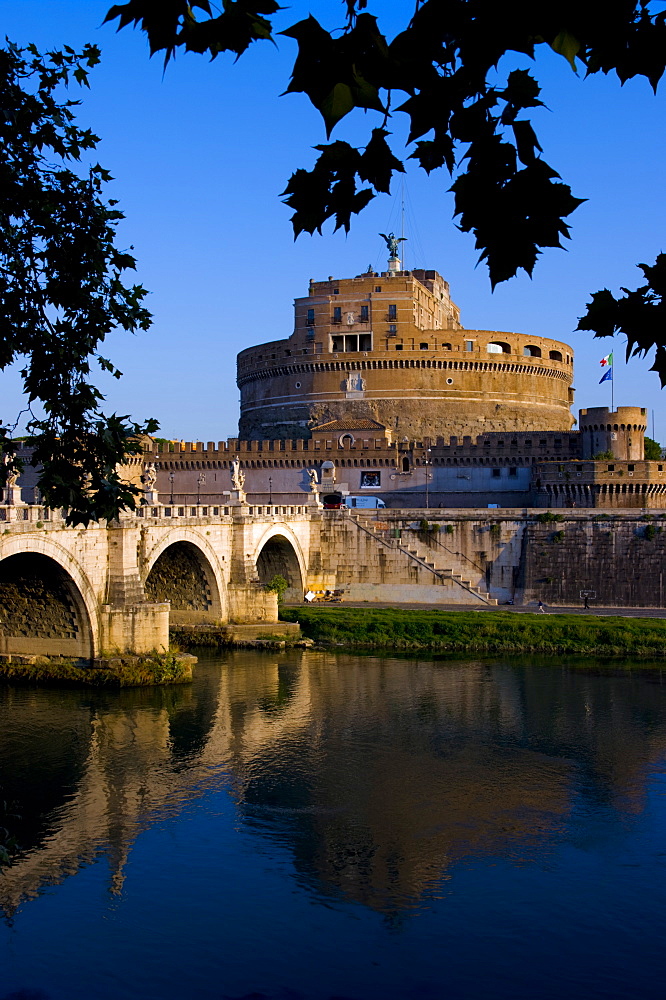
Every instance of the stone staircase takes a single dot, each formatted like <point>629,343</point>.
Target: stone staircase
<point>424,555</point>
<point>441,566</point>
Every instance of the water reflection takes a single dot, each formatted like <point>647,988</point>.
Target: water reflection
<point>378,776</point>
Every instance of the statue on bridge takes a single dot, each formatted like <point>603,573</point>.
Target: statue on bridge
<point>314,484</point>
<point>237,475</point>
<point>149,477</point>
<point>11,474</point>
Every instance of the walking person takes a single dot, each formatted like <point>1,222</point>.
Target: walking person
<point>541,608</point>
<point>587,601</point>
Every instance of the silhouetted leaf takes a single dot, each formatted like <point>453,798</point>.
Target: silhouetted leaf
<point>639,314</point>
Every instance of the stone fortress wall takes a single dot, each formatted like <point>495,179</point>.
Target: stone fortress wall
<point>548,468</point>
<point>389,347</point>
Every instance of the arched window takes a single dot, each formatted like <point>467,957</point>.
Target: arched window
<point>555,356</point>
<point>498,348</point>
<point>531,351</point>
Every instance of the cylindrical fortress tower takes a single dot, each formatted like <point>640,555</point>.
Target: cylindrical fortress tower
<point>390,347</point>
<point>620,433</point>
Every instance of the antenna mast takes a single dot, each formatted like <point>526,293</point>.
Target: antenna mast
<point>402,218</point>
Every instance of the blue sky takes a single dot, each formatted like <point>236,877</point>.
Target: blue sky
<point>201,153</point>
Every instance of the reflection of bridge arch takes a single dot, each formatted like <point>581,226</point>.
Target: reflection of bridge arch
<point>183,568</point>
<point>279,553</point>
<point>48,605</point>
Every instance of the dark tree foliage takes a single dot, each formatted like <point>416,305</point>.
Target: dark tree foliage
<point>442,71</point>
<point>640,314</point>
<point>61,288</point>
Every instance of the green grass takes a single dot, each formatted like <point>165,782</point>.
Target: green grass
<point>487,632</point>
<point>126,671</point>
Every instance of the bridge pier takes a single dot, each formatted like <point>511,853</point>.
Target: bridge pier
<point>135,628</point>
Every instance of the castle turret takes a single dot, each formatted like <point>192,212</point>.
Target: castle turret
<point>620,432</point>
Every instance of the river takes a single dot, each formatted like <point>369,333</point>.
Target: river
<point>319,826</point>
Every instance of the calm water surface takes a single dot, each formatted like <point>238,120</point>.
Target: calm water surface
<point>307,825</point>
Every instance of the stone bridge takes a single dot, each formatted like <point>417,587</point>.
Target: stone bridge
<point>82,592</point>
<point>87,592</point>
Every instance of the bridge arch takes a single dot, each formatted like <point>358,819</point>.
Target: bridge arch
<point>47,602</point>
<point>278,553</point>
<point>183,568</point>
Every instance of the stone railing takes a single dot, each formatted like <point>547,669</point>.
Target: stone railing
<point>36,515</point>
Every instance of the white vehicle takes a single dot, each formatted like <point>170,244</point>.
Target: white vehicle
<point>368,503</point>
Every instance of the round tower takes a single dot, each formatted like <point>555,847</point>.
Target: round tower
<point>390,347</point>
<point>620,432</point>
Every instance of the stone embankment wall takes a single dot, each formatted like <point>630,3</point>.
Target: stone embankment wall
<point>515,556</point>
<point>622,559</point>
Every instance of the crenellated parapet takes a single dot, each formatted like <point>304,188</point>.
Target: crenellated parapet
<point>619,432</point>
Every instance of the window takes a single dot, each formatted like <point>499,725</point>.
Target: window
<point>398,347</point>
<point>496,473</point>
<point>630,468</point>
<point>393,311</point>
<point>337,314</point>
<point>555,356</point>
<point>365,342</point>
<point>351,342</point>
<point>496,347</point>
<point>531,351</point>
<point>336,291</point>
<point>611,468</point>
<point>337,344</point>
<point>393,328</point>
<point>513,471</point>
<point>310,321</point>
<point>423,347</point>
<point>364,314</point>
<point>378,288</point>
<point>469,345</point>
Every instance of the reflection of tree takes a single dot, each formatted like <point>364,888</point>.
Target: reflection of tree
<point>380,775</point>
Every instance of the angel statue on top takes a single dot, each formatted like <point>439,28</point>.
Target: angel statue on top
<point>392,244</point>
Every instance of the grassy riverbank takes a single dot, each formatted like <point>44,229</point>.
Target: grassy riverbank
<point>110,672</point>
<point>490,632</point>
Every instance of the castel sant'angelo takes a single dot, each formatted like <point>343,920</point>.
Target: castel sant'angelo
<point>381,390</point>
<point>390,347</point>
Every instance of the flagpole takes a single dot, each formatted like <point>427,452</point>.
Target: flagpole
<point>612,381</point>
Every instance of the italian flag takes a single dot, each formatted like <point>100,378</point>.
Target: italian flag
<point>608,360</point>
